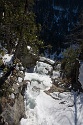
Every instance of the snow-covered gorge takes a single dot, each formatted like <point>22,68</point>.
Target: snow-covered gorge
<point>54,109</point>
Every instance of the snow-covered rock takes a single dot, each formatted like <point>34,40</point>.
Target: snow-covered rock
<point>46,60</point>
<point>56,74</point>
<point>58,67</point>
<point>20,79</point>
<point>12,96</point>
<point>43,68</point>
<point>7,59</point>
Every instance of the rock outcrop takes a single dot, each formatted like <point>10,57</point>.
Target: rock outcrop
<point>13,110</point>
<point>12,102</point>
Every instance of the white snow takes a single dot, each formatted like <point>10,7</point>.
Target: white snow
<point>55,109</point>
<point>20,79</point>
<point>17,67</point>
<point>42,109</point>
<point>7,59</point>
<point>43,68</point>
<point>1,73</point>
<point>38,80</point>
<point>29,48</point>
<point>12,96</point>
<point>22,68</point>
<point>56,74</point>
<point>47,59</point>
<point>50,112</point>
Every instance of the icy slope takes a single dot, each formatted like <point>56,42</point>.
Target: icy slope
<point>59,108</point>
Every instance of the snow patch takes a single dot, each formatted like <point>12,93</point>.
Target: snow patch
<point>56,74</point>
<point>43,68</point>
<point>7,59</point>
<point>20,79</point>
<point>43,59</point>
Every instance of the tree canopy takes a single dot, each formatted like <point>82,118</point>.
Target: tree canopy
<point>18,25</point>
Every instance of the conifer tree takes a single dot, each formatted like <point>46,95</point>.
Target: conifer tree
<point>70,63</point>
<point>76,36</point>
<point>18,26</point>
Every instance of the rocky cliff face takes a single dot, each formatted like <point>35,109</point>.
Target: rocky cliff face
<point>57,18</point>
<point>12,87</point>
<point>13,111</point>
<point>11,97</point>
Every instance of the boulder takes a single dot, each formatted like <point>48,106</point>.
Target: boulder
<point>47,60</point>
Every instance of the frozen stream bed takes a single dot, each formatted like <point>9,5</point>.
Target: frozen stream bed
<point>41,109</point>
<point>55,109</point>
